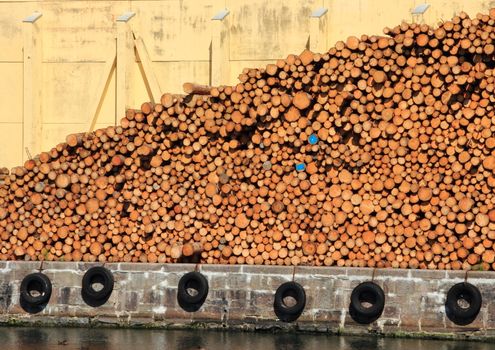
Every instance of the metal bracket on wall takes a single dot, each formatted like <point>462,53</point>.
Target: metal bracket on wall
<point>418,12</point>
<point>420,9</point>
<point>126,16</point>
<point>220,16</point>
<point>319,12</point>
<point>33,17</point>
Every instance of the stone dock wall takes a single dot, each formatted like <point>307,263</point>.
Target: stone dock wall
<point>241,297</point>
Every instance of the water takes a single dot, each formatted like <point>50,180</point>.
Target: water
<point>125,339</point>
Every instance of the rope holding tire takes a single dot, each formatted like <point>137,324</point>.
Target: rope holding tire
<point>367,303</point>
<point>97,275</point>
<point>285,312</point>
<point>192,291</point>
<point>463,292</point>
<point>35,292</point>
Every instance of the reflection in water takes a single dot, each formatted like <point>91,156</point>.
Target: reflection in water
<point>359,343</point>
<point>188,342</point>
<point>288,341</point>
<point>126,339</point>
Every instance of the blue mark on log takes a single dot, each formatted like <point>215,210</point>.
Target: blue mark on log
<point>313,139</point>
<point>300,167</point>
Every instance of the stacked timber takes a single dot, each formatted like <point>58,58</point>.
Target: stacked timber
<point>3,174</point>
<point>379,152</point>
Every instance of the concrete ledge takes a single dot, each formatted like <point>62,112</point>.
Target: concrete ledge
<point>241,297</point>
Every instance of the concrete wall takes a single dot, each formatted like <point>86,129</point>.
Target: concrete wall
<point>78,38</point>
<point>241,297</point>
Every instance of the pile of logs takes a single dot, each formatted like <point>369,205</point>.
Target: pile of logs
<point>4,172</point>
<point>379,152</point>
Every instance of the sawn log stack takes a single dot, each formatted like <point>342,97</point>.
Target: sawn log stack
<point>379,152</point>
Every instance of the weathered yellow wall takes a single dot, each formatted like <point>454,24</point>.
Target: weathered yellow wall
<point>79,36</point>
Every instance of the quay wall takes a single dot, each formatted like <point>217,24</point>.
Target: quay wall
<point>241,297</point>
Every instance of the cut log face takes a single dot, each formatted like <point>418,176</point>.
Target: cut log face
<point>379,153</point>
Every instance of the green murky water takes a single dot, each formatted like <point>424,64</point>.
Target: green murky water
<point>126,339</point>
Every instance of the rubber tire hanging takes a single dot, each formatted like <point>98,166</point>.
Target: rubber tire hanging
<point>101,275</point>
<point>196,281</point>
<point>463,291</point>
<point>289,313</point>
<point>370,293</point>
<point>35,282</point>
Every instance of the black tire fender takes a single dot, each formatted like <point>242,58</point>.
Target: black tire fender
<point>289,313</point>
<point>36,282</point>
<point>370,293</point>
<point>101,275</point>
<point>463,291</point>
<point>196,281</point>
